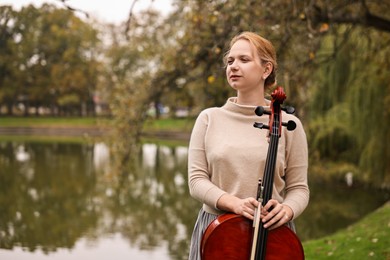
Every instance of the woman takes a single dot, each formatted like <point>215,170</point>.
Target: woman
<point>227,154</point>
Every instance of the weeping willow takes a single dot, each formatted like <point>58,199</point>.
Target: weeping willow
<point>350,108</point>
<point>370,105</point>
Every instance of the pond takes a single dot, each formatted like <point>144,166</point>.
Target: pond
<point>63,200</point>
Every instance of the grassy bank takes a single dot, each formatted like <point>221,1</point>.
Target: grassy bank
<point>367,239</point>
<point>166,124</point>
<point>48,121</point>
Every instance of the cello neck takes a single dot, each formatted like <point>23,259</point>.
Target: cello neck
<point>265,191</point>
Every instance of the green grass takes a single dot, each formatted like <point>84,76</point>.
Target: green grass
<point>166,124</point>
<point>44,139</point>
<point>47,121</point>
<point>367,239</point>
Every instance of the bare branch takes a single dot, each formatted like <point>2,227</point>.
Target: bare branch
<point>128,23</point>
<point>317,15</point>
<point>73,9</point>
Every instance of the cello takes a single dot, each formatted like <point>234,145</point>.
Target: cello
<point>234,237</point>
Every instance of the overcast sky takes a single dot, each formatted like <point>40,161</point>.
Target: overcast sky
<point>113,11</point>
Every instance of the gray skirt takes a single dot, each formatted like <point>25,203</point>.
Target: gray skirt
<point>202,222</point>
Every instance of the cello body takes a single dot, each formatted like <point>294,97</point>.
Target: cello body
<point>230,237</point>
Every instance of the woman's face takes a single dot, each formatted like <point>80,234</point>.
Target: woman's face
<point>244,70</point>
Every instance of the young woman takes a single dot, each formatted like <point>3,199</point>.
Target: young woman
<point>227,154</point>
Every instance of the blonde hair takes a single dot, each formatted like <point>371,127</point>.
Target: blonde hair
<point>265,50</point>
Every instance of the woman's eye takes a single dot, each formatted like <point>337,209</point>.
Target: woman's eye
<point>230,62</point>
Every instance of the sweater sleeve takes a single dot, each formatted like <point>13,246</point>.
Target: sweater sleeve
<point>297,190</point>
<point>199,176</point>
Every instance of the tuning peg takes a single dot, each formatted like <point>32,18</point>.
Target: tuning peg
<point>260,125</point>
<point>291,125</point>
<point>289,110</point>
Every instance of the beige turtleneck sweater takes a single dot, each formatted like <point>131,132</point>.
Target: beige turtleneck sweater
<point>227,155</point>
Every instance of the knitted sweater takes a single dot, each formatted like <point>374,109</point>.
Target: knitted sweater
<point>227,155</point>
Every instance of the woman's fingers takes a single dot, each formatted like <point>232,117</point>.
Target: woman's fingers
<point>275,214</point>
<point>247,207</point>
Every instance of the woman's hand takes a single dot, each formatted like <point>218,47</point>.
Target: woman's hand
<point>244,207</point>
<point>275,214</point>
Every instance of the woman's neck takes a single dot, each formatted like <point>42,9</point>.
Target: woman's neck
<point>253,99</point>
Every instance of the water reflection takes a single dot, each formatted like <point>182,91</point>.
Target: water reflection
<point>101,157</point>
<point>45,195</point>
<point>56,196</point>
<point>21,155</point>
<point>53,195</point>
<point>152,202</point>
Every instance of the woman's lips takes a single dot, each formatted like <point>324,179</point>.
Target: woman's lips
<point>234,77</point>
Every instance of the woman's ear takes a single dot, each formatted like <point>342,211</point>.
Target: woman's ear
<point>268,67</point>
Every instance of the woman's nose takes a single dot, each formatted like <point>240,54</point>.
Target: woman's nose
<point>234,66</point>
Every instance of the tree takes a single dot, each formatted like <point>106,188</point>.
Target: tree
<point>349,106</point>
<point>9,89</point>
<point>53,63</point>
<point>131,65</point>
